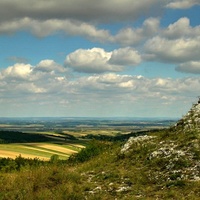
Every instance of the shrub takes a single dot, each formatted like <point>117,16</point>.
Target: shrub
<point>93,149</point>
<point>176,183</point>
<point>54,158</point>
<point>9,164</point>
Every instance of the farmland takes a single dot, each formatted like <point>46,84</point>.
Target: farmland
<point>37,145</point>
<point>43,137</point>
<point>42,151</point>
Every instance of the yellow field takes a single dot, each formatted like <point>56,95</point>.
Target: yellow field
<point>43,151</point>
<point>57,145</point>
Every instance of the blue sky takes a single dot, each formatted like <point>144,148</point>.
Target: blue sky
<point>89,58</point>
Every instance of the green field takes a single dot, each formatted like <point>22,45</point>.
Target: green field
<point>38,145</point>
<point>42,139</point>
<point>40,150</point>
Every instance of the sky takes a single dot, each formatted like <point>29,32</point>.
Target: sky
<point>92,58</point>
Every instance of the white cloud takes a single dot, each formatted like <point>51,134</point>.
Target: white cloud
<point>128,36</point>
<point>151,26</point>
<point>42,28</point>
<point>174,51</point>
<point>49,66</point>
<point>28,88</point>
<point>125,56</point>
<point>104,85</point>
<point>77,18</point>
<point>131,36</point>
<point>97,60</point>
<point>18,71</point>
<point>46,83</point>
<point>182,4</point>
<point>126,87</point>
<point>73,18</point>
<point>22,81</point>
<point>23,87</point>
<point>189,67</point>
<point>93,60</point>
<point>179,43</point>
<point>86,10</point>
<point>181,28</point>
<point>21,71</point>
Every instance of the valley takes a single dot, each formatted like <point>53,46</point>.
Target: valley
<point>43,137</point>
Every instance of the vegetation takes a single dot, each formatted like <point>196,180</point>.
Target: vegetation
<point>19,137</point>
<point>41,145</point>
<point>155,164</point>
<point>101,171</point>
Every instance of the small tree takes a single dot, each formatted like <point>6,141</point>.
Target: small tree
<point>54,158</point>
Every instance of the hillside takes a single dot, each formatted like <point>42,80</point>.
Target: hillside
<point>191,120</point>
<point>159,165</point>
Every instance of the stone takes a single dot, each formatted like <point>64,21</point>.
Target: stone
<point>135,140</point>
<point>191,120</point>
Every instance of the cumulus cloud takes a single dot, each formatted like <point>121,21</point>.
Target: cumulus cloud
<point>49,66</point>
<point>148,95</point>
<point>93,60</point>
<point>25,78</point>
<point>132,36</point>
<point>48,83</point>
<point>125,56</point>
<point>174,51</point>
<point>22,85</point>
<point>97,60</point>
<point>18,71</point>
<point>151,28</point>
<point>139,87</point>
<point>181,28</point>
<point>182,4</point>
<point>128,36</point>
<point>179,43</point>
<point>77,9</point>
<point>28,88</point>
<point>189,67</point>
<point>105,85</point>
<point>42,28</point>
<point>75,18</point>
<point>82,18</point>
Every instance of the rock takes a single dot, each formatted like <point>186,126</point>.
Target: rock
<point>191,120</point>
<point>123,189</point>
<point>135,140</point>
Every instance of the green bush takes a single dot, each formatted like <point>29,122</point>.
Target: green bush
<point>176,183</point>
<point>93,149</point>
<point>54,158</point>
<point>9,164</point>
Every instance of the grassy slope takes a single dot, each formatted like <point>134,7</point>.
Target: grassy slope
<point>111,175</point>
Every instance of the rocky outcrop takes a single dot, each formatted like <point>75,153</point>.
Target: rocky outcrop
<point>191,120</point>
<point>175,153</point>
<point>135,140</point>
